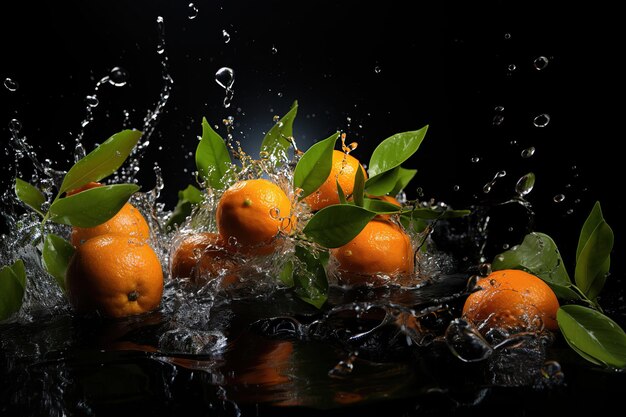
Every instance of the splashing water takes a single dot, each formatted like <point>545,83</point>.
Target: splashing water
<point>225,78</point>
<point>11,84</point>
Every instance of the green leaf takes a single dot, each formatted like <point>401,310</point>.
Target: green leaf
<point>56,256</point>
<point>187,198</point>
<point>593,220</point>
<point>102,161</point>
<point>341,194</point>
<point>593,264</point>
<point>538,255</point>
<point>315,165</point>
<point>416,225</point>
<point>425,213</point>
<point>212,157</point>
<point>309,277</point>
<point>91,207</point>
<point>565,292</point>
<point>593,335</point>
<point>275,144</point>
<point>404,178</point>
<point>12,285</point>
<point>336,225</point>
<point>383,183</point>
<point>380,206</point>
<point>286,274</point>
<point>359,187</point>
<point>29,195</point>
<point>394,150</point>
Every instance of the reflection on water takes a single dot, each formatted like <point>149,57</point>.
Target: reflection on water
<point>271,352</point>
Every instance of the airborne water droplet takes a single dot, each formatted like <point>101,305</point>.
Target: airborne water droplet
<point>11,84</point>
<point>528,152</point>
<point>559,198</point>
<point>118,77</point>
<point>377,69</point>
<point>274,50</point>
<point>92,101</point>
<point>512,67</point>
<point>542,120</point>
<point>456,188</point>
<point>540,63</point>
<point>525,184</point>
<point>15,126</point>
<point>507,36</point>
<point>193,11</point>
<point>225,36</point>
<point>225,77</point>
<point>475,159</point>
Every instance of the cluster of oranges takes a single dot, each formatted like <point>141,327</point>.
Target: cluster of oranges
<point>115,272</point>
<point>251,216</point>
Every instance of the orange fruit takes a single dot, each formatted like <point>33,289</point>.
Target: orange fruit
<point>251,213</point>
<point>380,253</point>
<point>202,257</point>
<point>114,275</point>
<point>512,299</point>
<point>343,170</point>
<point>128,222</point>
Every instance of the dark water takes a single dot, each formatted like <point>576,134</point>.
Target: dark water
<point>277,356</point>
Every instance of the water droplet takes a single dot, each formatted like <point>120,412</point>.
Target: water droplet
<point>507,36</point>
<point>484,269</point>
<point>542,120</point>
<point>511,67</point>
<point>513,142</point>
<point>475,159</point>
<point>225,77</point>
<point>274,50</point>
<point>559,198</point>
<point>505,246</point>
<point>161,30</point>
<point>499,109</point>
<point>528,152</point>
<point>456,188</point>
<point>279,94</point>
<point>525,184</point>
<point>498,119</point>
<point>15,126</point>
<point>540,63</point>
<point>569,211</point>
<point>118,77</point>
<point>377,69</point>
<point>276,118</point>
<point>193,11</point>
<point>225,36</point>
<point>11,84</point>
<point>92,101</point>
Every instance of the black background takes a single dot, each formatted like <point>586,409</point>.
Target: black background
<point>445,64</point>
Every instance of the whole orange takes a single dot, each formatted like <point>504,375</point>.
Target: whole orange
<point>114,275</point>
<point>382,252</point>
<point>251,213</point>
<point>202,257</point>
<point>343,170</point>
<point>128,221</point>
<point>512,299</point>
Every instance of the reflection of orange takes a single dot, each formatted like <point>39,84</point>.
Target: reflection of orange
<point>512,299</point>
<point>381,251</point>
<point>343,170</point>
<point>114,275</point>
<point>128,221</point>
<point>251,213</point>
<point>271,367</point>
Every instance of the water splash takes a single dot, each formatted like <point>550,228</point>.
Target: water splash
<point>192,12</point>
<point>487,187</point>
<point>225,78</point>
<point>11,84</point>
<point>540,63</point>
<point>541,120</point>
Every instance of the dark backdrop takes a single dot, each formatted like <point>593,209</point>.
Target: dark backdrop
<point>386,66</point>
